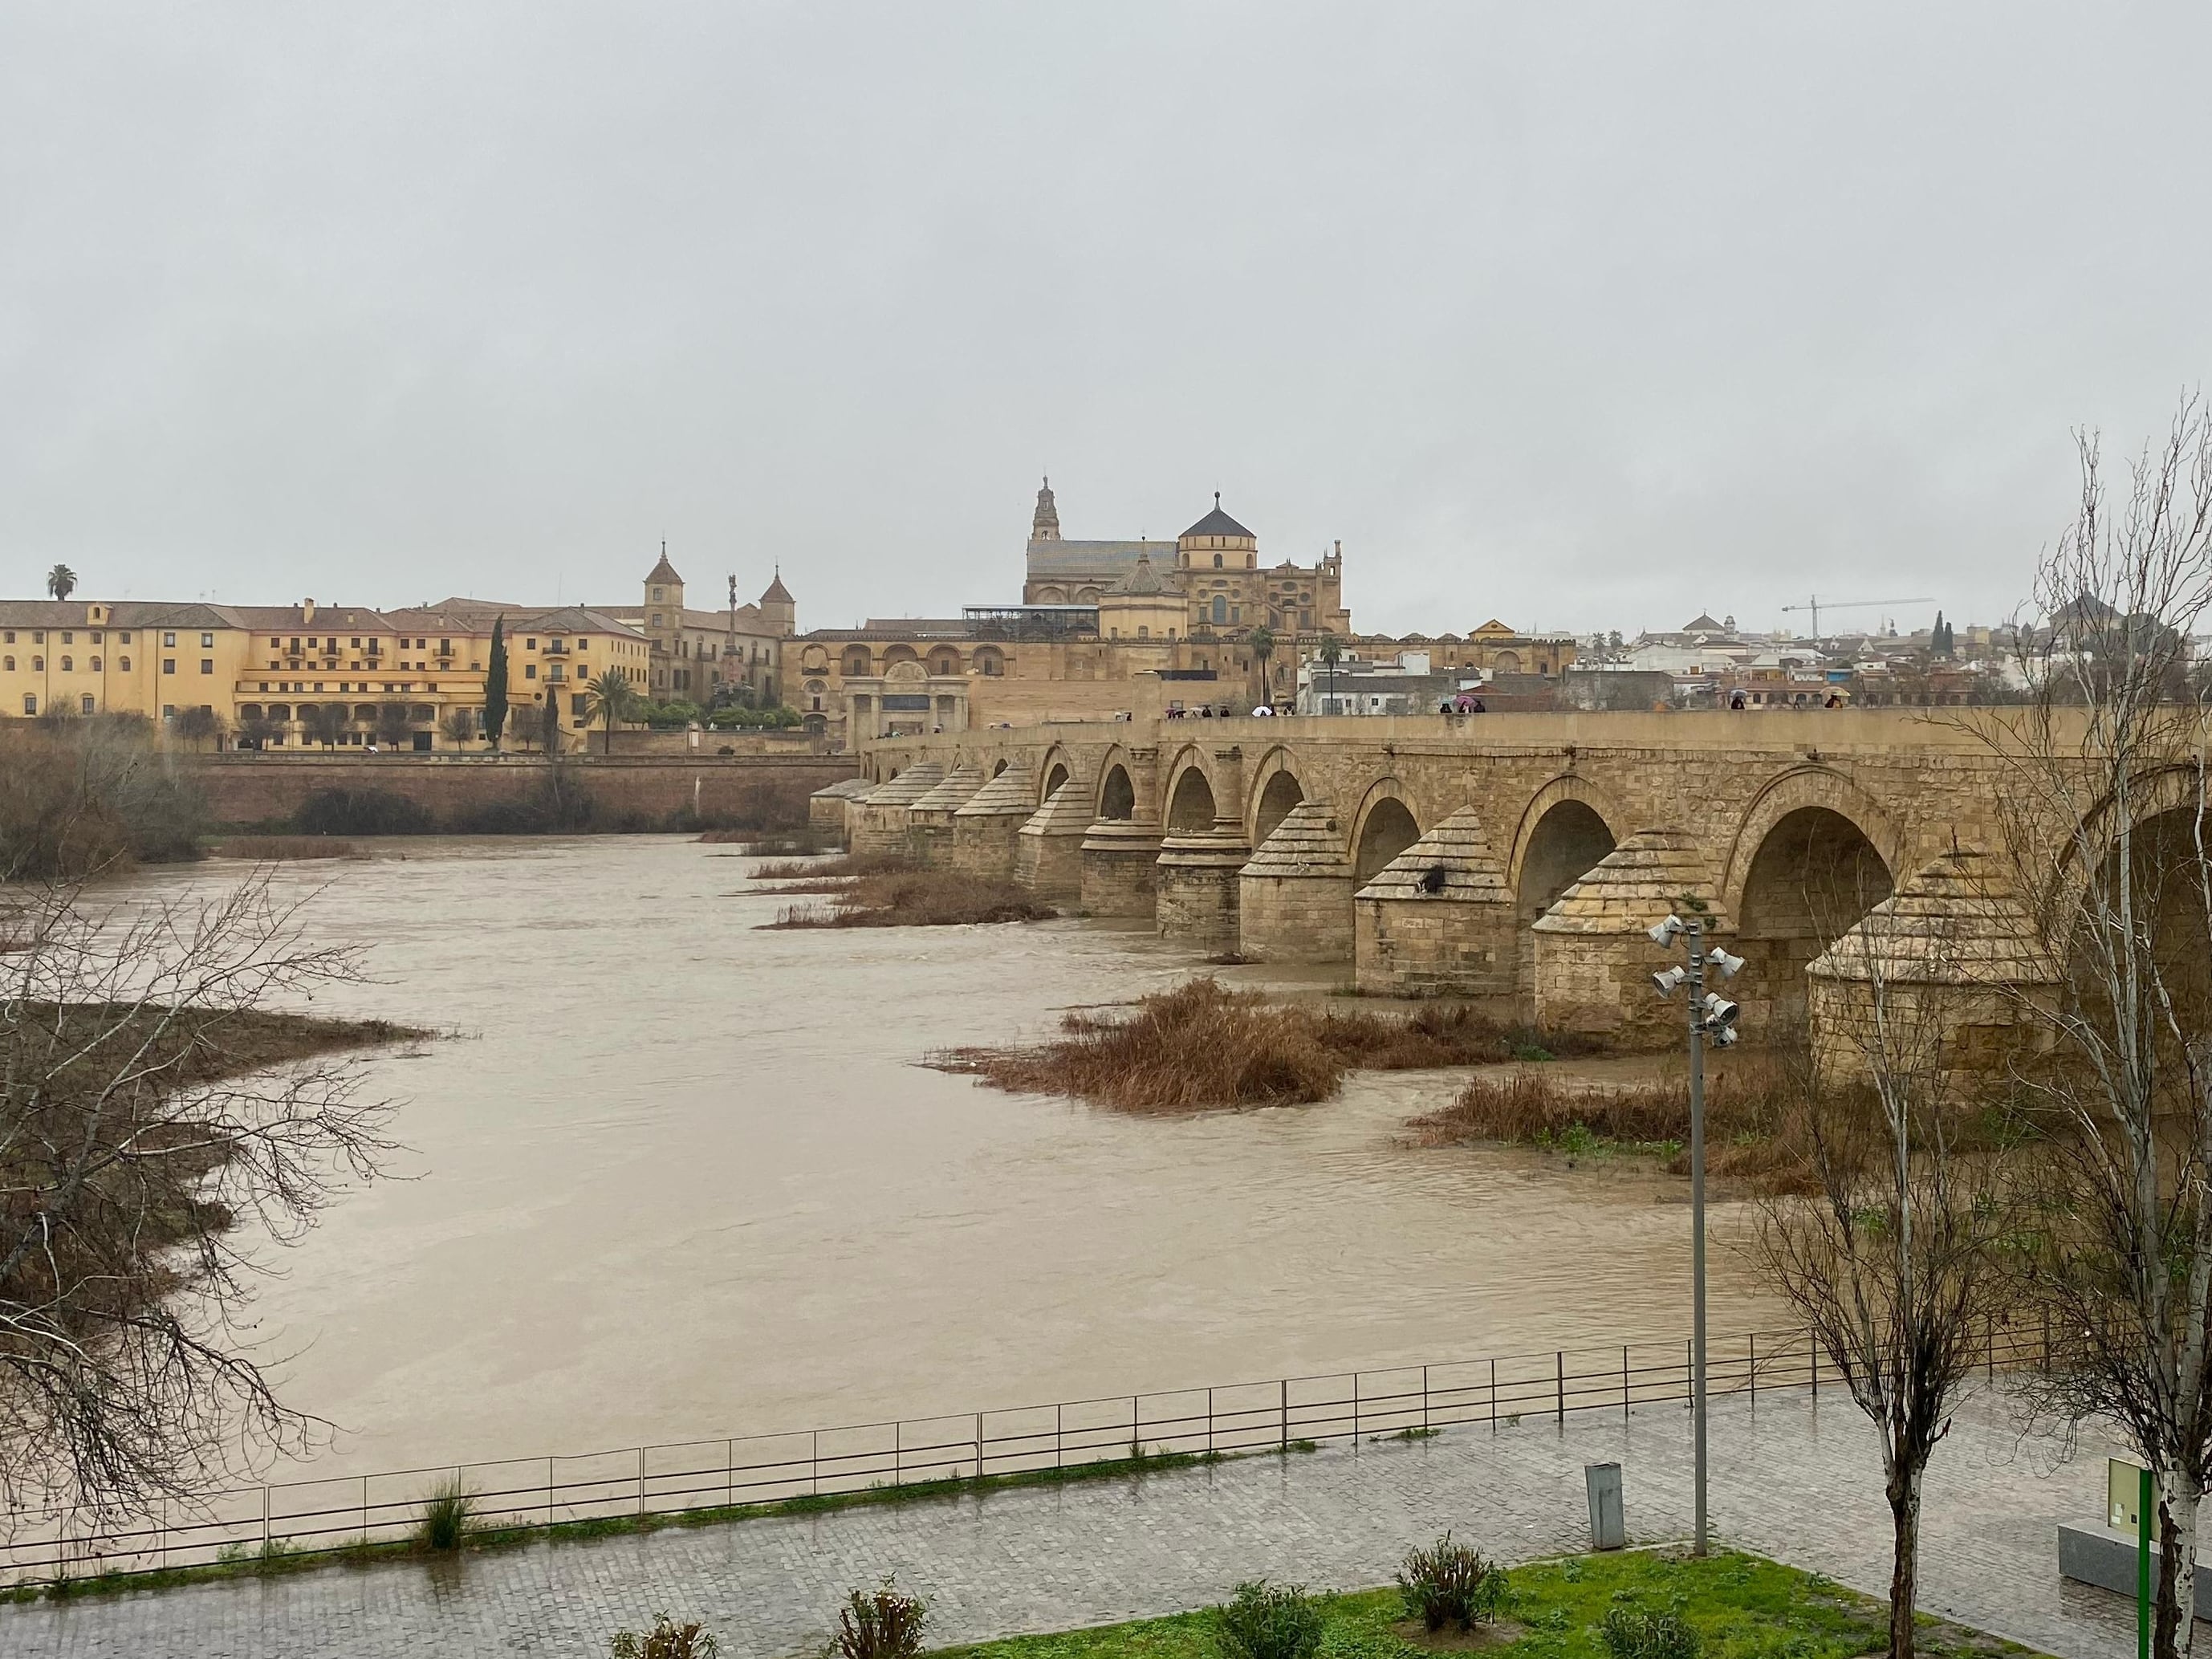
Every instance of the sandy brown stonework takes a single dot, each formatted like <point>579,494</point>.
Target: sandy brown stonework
<point>250,789</point>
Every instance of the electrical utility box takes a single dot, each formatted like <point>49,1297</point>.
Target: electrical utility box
<point>2123,1495</point>
<point>1608,1524</point>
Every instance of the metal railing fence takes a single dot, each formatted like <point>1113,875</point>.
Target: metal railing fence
<point>759,1471</point>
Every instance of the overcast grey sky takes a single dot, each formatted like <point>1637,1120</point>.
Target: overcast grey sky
<point>1582,316</point>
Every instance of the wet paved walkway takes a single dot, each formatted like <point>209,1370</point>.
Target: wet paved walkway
<point>1790,1478</point>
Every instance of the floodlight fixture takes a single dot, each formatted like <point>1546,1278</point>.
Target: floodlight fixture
<point>1670,979</point>
<point>1667,931</point>
<point>1720,1012</point>
<point>1721,963</point>
<point>1722,1036</point>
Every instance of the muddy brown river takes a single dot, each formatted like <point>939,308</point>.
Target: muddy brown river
<point>670,1176</point>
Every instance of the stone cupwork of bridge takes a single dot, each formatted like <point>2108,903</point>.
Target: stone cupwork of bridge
<point>1516,857</point>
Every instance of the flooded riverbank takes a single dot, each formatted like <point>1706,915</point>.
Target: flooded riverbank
<point>674,1176</point>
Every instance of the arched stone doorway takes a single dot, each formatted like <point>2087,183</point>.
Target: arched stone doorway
<point>1388,830</point>
<point>1815,874</point>
<point>1282,793</point>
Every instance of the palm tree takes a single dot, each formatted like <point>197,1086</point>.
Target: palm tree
<point>61,581</point>
<point>607,699</point>
<point>1330,652</point>
<point>1261,639</point>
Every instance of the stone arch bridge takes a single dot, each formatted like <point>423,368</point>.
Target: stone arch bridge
<point>1514,857</point>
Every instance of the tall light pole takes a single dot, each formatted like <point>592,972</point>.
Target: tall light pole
<point>1712,1013</point>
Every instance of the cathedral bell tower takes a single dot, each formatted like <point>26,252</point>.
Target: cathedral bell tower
<point>1045,525</point>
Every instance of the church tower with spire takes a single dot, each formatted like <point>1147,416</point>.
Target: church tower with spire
<point>1045,526</point>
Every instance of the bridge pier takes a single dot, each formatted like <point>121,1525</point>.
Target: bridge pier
<point>929,820</point>
<point>1594,962</point>
<point>883,817</point>
<point>1439,919</point>
<point>1294,897</point>
<point>1198,888</point>
<point>983,830</point>
<point>1955,954</point>
<point>1120,875</point>
<point>1048,847</point>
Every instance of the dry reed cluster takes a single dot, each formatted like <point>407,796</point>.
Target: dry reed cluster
<point>1751,1109</point>
<point>913,898</point>
<point>1201,1045</point>
<point>274,850</point>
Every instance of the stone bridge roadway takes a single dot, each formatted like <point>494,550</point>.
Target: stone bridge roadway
<point>1427,851</point>
<point>1790,1478</point>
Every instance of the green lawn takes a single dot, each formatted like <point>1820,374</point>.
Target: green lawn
<point>1743,1608</point>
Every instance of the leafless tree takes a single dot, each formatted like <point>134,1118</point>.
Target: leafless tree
<point>161,1120</point>
<point>2104,776</point>
<point>322,722</point>
<point>459,724</point>
<point>1892,1256</point>
<point>391,729</point>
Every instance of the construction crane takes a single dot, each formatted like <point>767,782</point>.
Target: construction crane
<point>1816,605</point>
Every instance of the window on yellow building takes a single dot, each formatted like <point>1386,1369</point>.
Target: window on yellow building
<point>30,702</point>
<point>95,636</point>
<point>124,662</point>
<point>168,665</point>
<point>38,665</point>
<point>96,664</point>
<point>8,663</point>
<point>530,671</point>
<point>168,638</point>
<point>69,664</point>
<point>207,641</point>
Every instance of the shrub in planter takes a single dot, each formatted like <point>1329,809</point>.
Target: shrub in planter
<point>884,1624</point>
<point>1634,1633</point>
<point>1269,1621</point>
<point>1449,1585</point>
<point>667,1640</point>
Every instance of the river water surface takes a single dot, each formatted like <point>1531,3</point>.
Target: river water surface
<point>672,1177</point>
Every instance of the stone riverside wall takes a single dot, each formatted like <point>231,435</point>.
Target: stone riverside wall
<point>253,789</point>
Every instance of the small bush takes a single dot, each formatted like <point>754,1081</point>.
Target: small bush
<point>1269,1621</point>
<point>361,812</point>
<point>1449,1585</point>
<point>886,1623</point>
<point>449,1517</point>
<point>667,1640</point>
<point>1635,1633</point>
<point>270,849</point>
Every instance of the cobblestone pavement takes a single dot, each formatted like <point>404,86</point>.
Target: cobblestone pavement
<point>1791,1478</point>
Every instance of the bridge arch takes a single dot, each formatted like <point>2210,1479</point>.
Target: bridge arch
<point>1276,788</point>
<point>1384,826</point>
<point>2161,842</point>
<point>1190,808</point>
<point>1568,826</point>
<point>1117,787</point>
<point>1056,768</point>
<point>1812,853</point>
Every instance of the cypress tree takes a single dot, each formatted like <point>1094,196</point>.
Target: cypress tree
<point>494,714</point>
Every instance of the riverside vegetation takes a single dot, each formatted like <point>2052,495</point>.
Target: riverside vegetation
<point>1202,1045</point>
<point>880,890</point>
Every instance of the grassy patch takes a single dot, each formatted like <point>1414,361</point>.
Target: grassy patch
<point>1742,1606</point>
<point>286,1556</point>
<point>1201,1045</point>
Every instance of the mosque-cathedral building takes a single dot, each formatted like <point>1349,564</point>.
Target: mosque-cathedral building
<point>1094,614</point>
